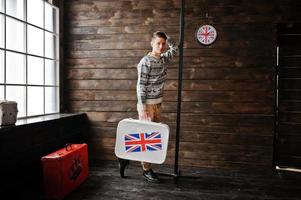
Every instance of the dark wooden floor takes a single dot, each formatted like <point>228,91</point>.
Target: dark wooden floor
<point>104,183</point>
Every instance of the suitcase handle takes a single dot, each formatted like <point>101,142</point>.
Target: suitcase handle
<point>68,145</point>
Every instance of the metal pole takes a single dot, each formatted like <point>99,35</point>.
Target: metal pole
<point>179,98</point>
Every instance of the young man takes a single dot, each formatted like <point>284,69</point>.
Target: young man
<point>150,85</point>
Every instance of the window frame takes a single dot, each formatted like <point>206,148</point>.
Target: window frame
<point>56,32</point>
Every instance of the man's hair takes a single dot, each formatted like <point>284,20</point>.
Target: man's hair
<point>159,34</point>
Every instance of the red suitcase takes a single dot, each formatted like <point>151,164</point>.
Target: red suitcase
<point>64,170</point>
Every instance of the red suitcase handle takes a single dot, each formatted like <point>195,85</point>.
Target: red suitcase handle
<point>68,145</point>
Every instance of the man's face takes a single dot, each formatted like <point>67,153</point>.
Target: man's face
<point>158,45</point>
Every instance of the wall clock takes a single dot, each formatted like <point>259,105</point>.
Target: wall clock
<point>206,34</point>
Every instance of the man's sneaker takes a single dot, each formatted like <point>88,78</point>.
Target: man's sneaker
<point>150,176</point>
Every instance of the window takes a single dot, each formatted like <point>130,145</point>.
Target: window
<point>29,56</point>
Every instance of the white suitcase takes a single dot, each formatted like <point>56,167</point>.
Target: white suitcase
<point>142,141</point>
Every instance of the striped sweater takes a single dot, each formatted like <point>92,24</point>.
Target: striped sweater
<point>152,75</point>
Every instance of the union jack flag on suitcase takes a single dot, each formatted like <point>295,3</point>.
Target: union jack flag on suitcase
<point>139,142</point>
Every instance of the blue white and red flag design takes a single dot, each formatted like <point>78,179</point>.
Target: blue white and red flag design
<point>140,142</point>
<point>206,34</point>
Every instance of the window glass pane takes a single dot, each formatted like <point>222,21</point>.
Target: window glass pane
<point>1,92</point>
<point>35,41</point>
<point>1,30</point>
<point>51,74</point>
<point>15,68</point>
<point>50,45</point>
<point>17,93</point>
<point>51,17</point>
<point>35,101</point>
<point>51,100</point>
<point>35,12</point>
<point>15,8</point>
<point>1,66</point>
<point>35,70</point>
<point>15,35</point>
<point>1,5</point>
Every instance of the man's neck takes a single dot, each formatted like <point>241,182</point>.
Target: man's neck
<point>156,55</point>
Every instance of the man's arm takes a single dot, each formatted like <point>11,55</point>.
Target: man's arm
<point>143,73</point>
<point>171,52</point>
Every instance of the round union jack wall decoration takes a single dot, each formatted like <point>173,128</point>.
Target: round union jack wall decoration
<point>206,34</point>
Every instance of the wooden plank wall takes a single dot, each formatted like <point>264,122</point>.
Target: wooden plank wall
<point>228,99</point>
